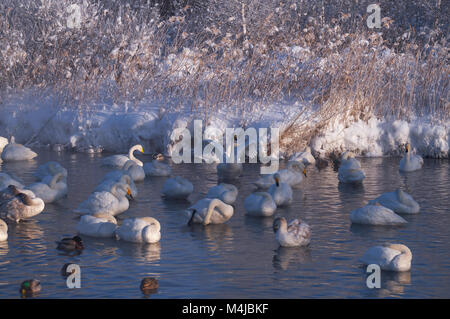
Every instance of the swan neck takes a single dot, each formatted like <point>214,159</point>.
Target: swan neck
<point>212,205</point>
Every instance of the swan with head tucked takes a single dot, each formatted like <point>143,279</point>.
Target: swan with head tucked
<point>117,176</point>
<point>280,192</point>
<point>210,211</point>
<point>156,168</point>
<point>140,230</point>
<point>11,191</point>
<point>398,201</point>
<point>350,169</point>
<point>297,233</point>
<point>6,180</point>
<point>227,193</point>
<point>21,206</point>
<point>229,171</point>
<point>390,257</point>
<point>292,175</point>
<point>49,169</point>
<point>135,171</point>
<point>53,190</point>
<point>113,202</point>
<point>260,204</point>
<point>375,215</point>
<point>120,160</point>
<point>177,188</point>
<point>3,231</point>
<point>304,157</point>
<point>97,225</point>
<point>13,152</point>
<point>410,162</point>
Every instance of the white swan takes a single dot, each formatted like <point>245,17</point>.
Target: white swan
<point>350,169</point>
<point>16,152</point>
<point>297,233</point>
<point>117,176</point>
<point>410,162</point>
<point>292,175</point>
<point>210,211</point>
<point>3,143</point>
<point>177,188</point>
<point>113,202</point>
<point>135,171</point>
<point>156,168</point>
<point>120,160</point>
<point>22,206</point>
<point>140,230</point>
<point>398,201</point>
<point>227,193</point>
<point>304,157</point>
<point>260,204</point>
<point>390,257</point>
<point>375,215</point>
<point>97,225</point>
<point>280,192</point>
<point>49,169</point>
<point>50,190</point>
<point>3,231</point>
<point>6,180</point>
<point>228,171</point>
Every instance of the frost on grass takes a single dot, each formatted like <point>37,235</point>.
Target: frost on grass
<point>132,71</point>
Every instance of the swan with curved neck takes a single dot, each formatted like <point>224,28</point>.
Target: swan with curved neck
<point>297,233</point>
<point>210,211</point>
<point>390,257</point>
<point>281,192</point>
<point>49,169</point>
<point>22,206</point>
<point>97,225</point>
<point>140,230</point>
<point>410,162</point>
<point>51,188</point>
<point>117,177</point>
<point>120,160</point>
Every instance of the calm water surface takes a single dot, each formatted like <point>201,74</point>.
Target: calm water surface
<point>239,259</point>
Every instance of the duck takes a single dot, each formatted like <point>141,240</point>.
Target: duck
<point>390,257</point>
<point>13,152</point>
<point>30,287</point>
<point>297,233</point>
<point>350,170</point>
<point>140,230</point>
<point>120,160</point>
<point>3,231</point>
<point>113,202</point>
<point>227,193</point>
<point>229,171</point>
<point>398,201</point>
<point>304,157</point>
<point>149,285</point>
<point>21,206</point>
<point>156,168</point>
<point>114,177</point>
<point>280,192</point>
<point>135,171</point>
<point>177,188</point>
<point>210,211</point>
<point>410,162</point>
<point>97,225</point>
<point>375,215</point>
<point>6,180</point>
<point>260,204</point>
<point>74,244</point>
<point>292,175</point>
<point>53,190</point>
<point>49,169</point>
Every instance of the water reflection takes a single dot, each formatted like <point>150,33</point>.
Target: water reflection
<point>291,256</point>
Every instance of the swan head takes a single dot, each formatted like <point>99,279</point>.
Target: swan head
<point>276,177</point>
<point>27,200</point>
<point>399,247</point>
<point>279,223</point>
<point>408,147</point>
<point>13,190</point>
<point>139,148</point>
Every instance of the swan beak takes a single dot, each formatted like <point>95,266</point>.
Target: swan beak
<point>407,148</point>
<point>129,193</point>
<point>277,181</point>
<point>304,172</point>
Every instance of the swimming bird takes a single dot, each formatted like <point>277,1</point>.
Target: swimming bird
<point>260,204</point>
<point>3,230</point>
<point>149,285</point>
<point>6,180</point>
<point>229,171</point>
<point>227,193</point>
<point>16,152</point>
<point>49,169</point>
<point>390,257</point>
<point>210,211</point>
<point>113,202</point>
<point>177,188</point>
<point>280,192</point>
<point>350,170</point>
<point>135,171</point>
<point>120,160</point>
<point>292,175</point>
<point>140,230</point>
<point>304,157</point>
<point>51,192</point>
<point>410,162</point>
<point>97,225</point>
<point>114,177</point>
<point>29,288</point>
<point>398,201</point>
<point>156,168</point>
<point>297,233</point>
<point>21,206</point>
<point>74,244</point>
<point>375,215</point>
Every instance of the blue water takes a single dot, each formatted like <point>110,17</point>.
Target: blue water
<point>239,259</point>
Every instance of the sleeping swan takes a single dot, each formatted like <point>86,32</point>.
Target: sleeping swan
<point>112,178</point>
<point>260,204</point>
<point>375,215</point>
<point>16,152</point>
<point>210,211</point>
<point>140,230</point>
<point>410,162</point>
<point>22,206</point>
<point>297,233</point>
<point>398,201</point>
<point>280,192</point>
<point>49,169</point>
<point>304,157</point>
<point>350,169</point>
<point>292,175</point>
<point>97,225</point>
<point>391,257</point>
<point>135,171</point>
<point>51,192</point>
<point>156,168</point>
<point>3,231</point>
<point>3,143</point>
<point>120,160</point>
<point>229,171</point>
<point>227,193</point>
<point>177,188</point>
